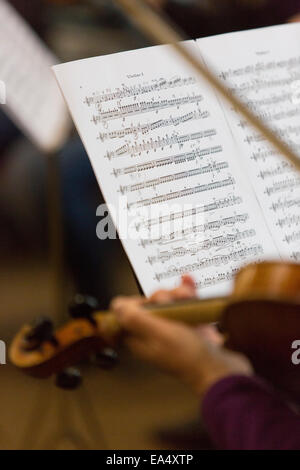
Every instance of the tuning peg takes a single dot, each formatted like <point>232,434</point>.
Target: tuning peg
<point>107,359</point>
<point>41,331</point>
<point>83,306</point>
<point>69,379</point>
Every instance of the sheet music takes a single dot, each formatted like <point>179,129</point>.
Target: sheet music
<point>263,68</point>
<point>33,99</point>
<point>165,161</point>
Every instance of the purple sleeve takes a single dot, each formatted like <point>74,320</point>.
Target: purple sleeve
<point>242,412</point>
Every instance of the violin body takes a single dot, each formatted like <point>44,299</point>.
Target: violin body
<point>264,320</point>
<point>261,319</point>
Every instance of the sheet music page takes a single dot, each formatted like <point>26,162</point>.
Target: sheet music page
<point>29,92</point>
<point>263,68</point>
<point>165,161</point>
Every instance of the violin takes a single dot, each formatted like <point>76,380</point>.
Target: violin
<point>261,319</point>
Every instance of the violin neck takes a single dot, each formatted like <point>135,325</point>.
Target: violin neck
<point>192,312</point>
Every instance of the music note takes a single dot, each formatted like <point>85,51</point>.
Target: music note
<point>160,143</point>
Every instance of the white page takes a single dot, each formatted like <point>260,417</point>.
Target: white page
<point>158,138</point>
<point>263,67</point>
<point>33,99</point>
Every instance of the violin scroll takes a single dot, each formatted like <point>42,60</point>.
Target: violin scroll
<point>42,330</point>
<point>41,352</point>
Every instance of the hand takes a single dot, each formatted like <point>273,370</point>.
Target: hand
<point>195,356</point>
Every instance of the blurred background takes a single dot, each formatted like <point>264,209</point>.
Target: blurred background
<point>133,407</point>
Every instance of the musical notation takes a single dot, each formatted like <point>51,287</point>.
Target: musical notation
<point>269,87</point>
<point>280,169</point>
<point>278,116</point>
<point>202,170</point>
<point>296,255</point>
<point>196,229</point>
<point>289,221</point>
<point>173,121</point>
<point>215,242</point>
<point>223,276</point>
<point>174,159</point>
<point>259,67</point>
<point>165,142</point>
<point>217,204</point>
<point>283,132</point>
<point>292,237</point>
<point>159,143</point>
<point>282,98</point>
<point>142,107</point>
<point>137,90</point>
<point>183,193</point>
<point>282,186</point>
<point>264,84</point>
<point>215,261</point>
<point>283,204</point>
<point>262,155</point>
<point>197,189</point>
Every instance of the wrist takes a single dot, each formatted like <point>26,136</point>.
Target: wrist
<point>203,384</point>
<point>203,377</point>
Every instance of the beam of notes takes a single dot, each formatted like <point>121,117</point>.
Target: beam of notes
<point>137,90</point>
<point>213,225</point>
<point>194,155</point>
<point>215,261</point>
<point>159,143</point>
<point>165,159</point>
<point>211,167</point>
<point>269,84</point>
<point>221,241</point>
<point>217,204</point>
<point>142,107</point>
<point>148,127</point>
